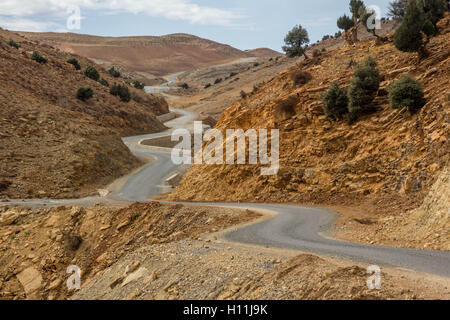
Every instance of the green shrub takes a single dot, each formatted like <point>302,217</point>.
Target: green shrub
<point>121,91</point>
<point>75,63</point>
<point>243,94</point>
<point>300,77</point>
<point>104,82</point>
<point>184,86</point>
<point>38,58</point>
<point>84,93</point>
<point>345,23</point>
<point>408,37</point>
<point>207,85</point>
<point>13,44</point>
<point>219,80</point>
<point>364,86</point>
<point>335,102</point>
<point>92,73</point>
<point>113,72</point>
<point>138,85</point>
<point>407,92</point>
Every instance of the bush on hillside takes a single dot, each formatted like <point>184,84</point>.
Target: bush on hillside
<point>121,91</point>
<point>300,77</point>
<point>92,73</point>
<point>219,80</point>
<point>138,85</point>
<point>104,82</point>
<point>316,53</point>
<point>113,72</point>
<point>335,102</point>
<point>75,63</point>
<point>407,92</point>
<point>84,93</point>
<point>364,86</point>
<point>184,86</point>
<point>38,58</point>
<point>286,106</point>
<point>207,85</point>
<point>14,44</point>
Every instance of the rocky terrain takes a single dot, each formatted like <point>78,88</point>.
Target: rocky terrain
<point>38,245</point>
<point>53,144</point>
<point>384,162</point>
<point>150,56</point>
<point>427,227</point>
<point>209,270</point>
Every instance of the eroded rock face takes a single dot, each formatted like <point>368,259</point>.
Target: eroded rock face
<point>388,155</point>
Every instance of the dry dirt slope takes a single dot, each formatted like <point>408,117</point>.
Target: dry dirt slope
<point>52,144</point>
<point>153,55</point>
<point>387,160</point>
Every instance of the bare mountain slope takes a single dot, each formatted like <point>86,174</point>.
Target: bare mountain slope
<point>53,144</point>
<point>152,55</point>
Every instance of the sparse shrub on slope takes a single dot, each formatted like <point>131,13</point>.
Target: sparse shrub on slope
<point>407,92</point>
<point>121,91</point>
<point>138,85</point>
<point>364,86</point>
<point>75,63</point>
<point>92,73</point>
<point>13,44</point>
<point>335,102</point>
<point>84,93</point>
<point>104,82</point>
<point>300,77</point>
<point>113,72</point>
<point>38,58</point>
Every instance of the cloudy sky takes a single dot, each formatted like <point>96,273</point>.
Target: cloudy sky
<point>244,24</point>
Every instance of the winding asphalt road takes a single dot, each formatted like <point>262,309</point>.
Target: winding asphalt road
<point>291,227</point>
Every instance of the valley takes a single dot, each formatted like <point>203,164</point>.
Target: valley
<point>90,181</point>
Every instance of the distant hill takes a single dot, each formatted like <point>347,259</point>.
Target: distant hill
<point>156,56</point>
<point>53,144</point>
<point>263,52</point>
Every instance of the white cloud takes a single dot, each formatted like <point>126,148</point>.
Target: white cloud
<point>21,24</point>
<point>26,12</point>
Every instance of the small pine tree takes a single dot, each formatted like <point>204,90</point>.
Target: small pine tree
<point>14,44</point>
<point>84,93</point>
<point>364,86</point>
<point>408,37</point>
<point>38,58</point>
<point>296,42</point>
<point>121,91</point>
<point>407,92</point>
<point>75,63</point>
<point>138,85</point>
<point>434,10</point>
<point>335,102</point>
<point>92,73</point>
<point>113,72</point>
<point>345,23</point>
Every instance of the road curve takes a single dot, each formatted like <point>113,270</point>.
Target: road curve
<point>292,227</point>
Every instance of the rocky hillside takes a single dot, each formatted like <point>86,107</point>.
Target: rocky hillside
<point>388,158</point>
<point>149,55</point>
<point>53,144</point>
